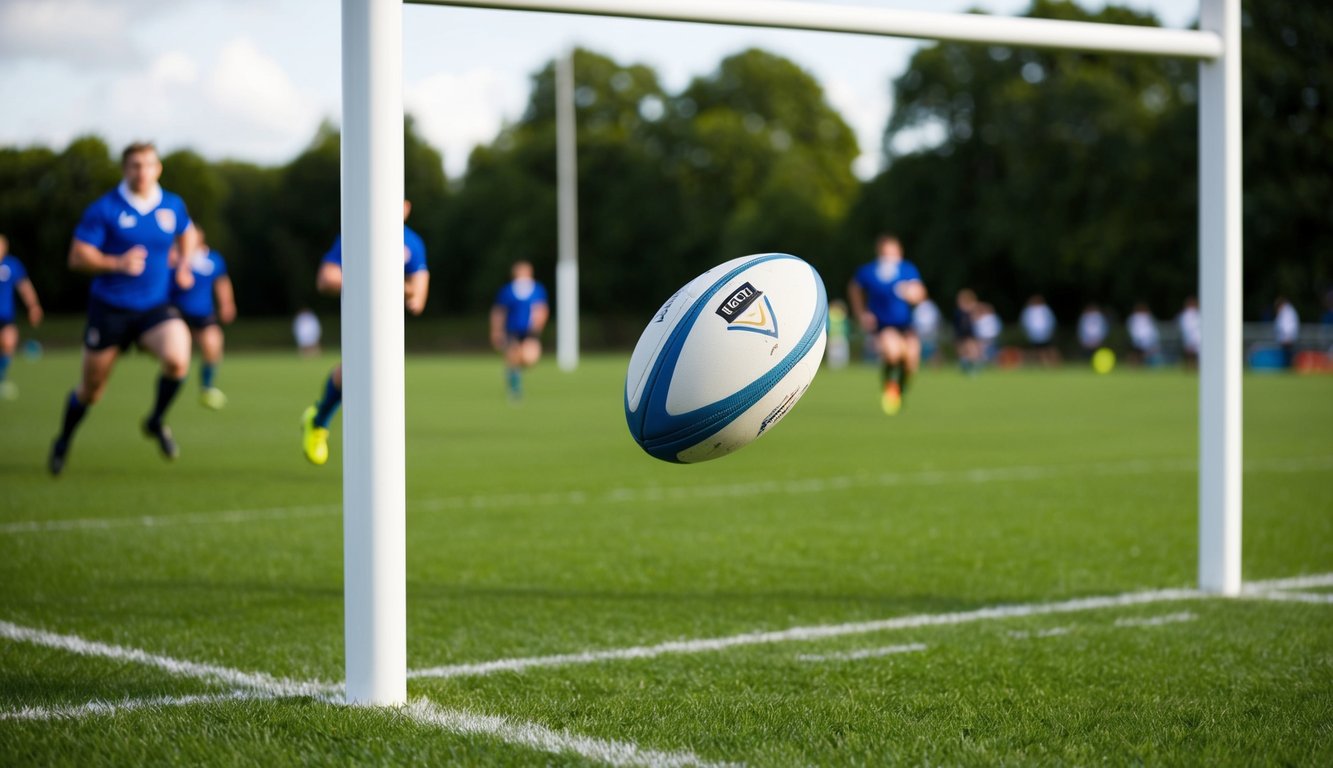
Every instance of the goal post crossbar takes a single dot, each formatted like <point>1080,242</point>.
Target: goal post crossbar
<point>864,20</point>
<point>372,194</point>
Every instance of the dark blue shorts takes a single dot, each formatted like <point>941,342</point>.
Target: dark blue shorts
<point>110,326</point>
<point>200,322</point>
<point>5,322</point>
<point>517,336</point>
<point>903,328</point>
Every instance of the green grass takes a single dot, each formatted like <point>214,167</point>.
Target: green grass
<point>541,529</point>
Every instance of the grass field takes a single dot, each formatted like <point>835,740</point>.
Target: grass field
<point>999,575</point>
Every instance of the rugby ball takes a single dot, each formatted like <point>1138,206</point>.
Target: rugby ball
<point>726,357</point>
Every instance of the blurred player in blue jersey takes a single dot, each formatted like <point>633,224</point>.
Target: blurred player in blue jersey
<point>882,295</point>
<point>205,307</point>
<point>517,319</point>
<point>13,280</point>
<point>125,240</point>
<point>329,281</point>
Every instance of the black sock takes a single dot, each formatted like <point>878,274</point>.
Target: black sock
<point>74,412</point>
<point>167,388</point>
<point>886,374</point>
<point>905,377</point>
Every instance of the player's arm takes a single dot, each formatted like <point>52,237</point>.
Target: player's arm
<point>225,298</point>
<point>29,296</point>
<point>89,260</point>
<point>498,326</point>
<point>540,314</point>
<point>415,288</point>
<point>186,242</point>
<point>911,291</point>
<point>856,296</point>
<point>329,279</point>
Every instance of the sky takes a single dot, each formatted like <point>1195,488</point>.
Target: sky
<point>253,79</point>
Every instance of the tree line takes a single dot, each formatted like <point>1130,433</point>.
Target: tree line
<point>1011,171</point>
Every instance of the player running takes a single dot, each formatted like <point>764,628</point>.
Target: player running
<point>517,319</point>
<point>205,307</point>
<point>329,281</point>
<point>882,295</point>
<point>13,279</point>
<point>124,240</point>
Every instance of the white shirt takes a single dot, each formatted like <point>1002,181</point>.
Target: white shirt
<point>1142,331</point>
<point>1287,325</point>
<point>926,319</point>
<point>1190,329</point>
<point>1091,329</point>
<point>1038,323</point>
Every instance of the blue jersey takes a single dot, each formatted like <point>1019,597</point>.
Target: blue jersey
<point>113,225</point>
<point>879,280</point>
<point>414,252</point>
<point>518,298</point>
<point>11,274</point>
<point>207,266</point>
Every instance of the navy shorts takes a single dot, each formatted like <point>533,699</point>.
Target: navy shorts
<point>5,322</point>
<point>110,326</point>
<point>200,322</point>
<point>519,336</point>
<point>903,328</point>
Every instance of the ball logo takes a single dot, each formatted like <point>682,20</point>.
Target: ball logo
<point>748,309</point>
<point>166,219</point>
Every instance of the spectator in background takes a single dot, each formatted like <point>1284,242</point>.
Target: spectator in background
<point>926,321</point>
<point>1092,329</point>
<point>1191,332</point>
<point>964,331</point>
<point>1038,323</point>
<point>839,335</point>
<point>1287,329</point>
<point>13,279</point>
<point>987,326</point>
<point>307,332</point>
<point>1143,336</point>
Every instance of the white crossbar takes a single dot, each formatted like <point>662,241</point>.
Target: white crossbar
<point>862,20</point>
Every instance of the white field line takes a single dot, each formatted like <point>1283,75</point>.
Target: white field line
<point>211,673</point>
<point>868,653</point>
<point>255,686</point>
<point>1021,634</point>
<point>1312,581</point>
<point>155,521</point>
<point>819,632</point>
<point>1324,598</point>
<point>543,739</point>
<point>95,708</point>
<point>660,494</point>
<point>1156,621</point>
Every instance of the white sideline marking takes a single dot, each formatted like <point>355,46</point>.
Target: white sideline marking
<point>1156,621</point>
<point>818,632</point>
<point>1020,634</point>
<point>673,493</point>
<point>206,672</point>
<point>256,686</point>
<point>541,738</point>
<point>1312,581</point>
<point>94,708</point>
<point>154,521</point>
<point>869,653</point>
<point>1294,597</point>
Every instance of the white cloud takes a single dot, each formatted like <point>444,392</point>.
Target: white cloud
<point>866,111</point>
<point>250,86</point>
<point>82,33</point>
<point>456,112</point>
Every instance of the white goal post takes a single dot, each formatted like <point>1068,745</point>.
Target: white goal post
<point>374,502</point>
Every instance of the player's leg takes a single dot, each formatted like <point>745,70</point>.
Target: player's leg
<point>9,341</point>
<point>531,351</point>
<point>169,341</point>
<point>94,373</point>
<point>210,342</point>
<point>315,421</point>
<point>513,367</point>
<point>891,347</point>
<point>911,358</point>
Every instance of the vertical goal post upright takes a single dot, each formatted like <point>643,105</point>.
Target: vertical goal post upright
<point>372,179</point>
